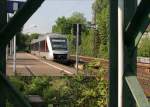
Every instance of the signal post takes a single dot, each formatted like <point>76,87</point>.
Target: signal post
<point>77,41</point>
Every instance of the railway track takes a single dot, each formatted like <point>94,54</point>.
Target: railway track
<point>143,71</point>
<point>29,65</point>
<point>105,62</point>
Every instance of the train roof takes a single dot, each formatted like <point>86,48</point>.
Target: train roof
<point>50,35</point>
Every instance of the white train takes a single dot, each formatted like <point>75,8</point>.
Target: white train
<point>51,46</point>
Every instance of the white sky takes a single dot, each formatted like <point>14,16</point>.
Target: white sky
<point>46,15</point>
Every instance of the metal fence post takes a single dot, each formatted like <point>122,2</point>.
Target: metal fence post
<point>3,22</point>
<point>130,8</point>
<point>113,55</point>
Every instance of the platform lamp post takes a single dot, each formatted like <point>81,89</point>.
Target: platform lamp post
<point>13,6</point>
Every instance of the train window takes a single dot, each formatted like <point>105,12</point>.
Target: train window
<point>43,46</point>
<point>46,47</point>
<point>59,43</point>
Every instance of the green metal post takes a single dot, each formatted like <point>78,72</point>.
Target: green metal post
<point>7,31</point>
<point>130,61</point>
<point>113,55</point>
<point>139,23</point>
<point>3,95</point>
<point>13,95</point>
<point>18,20</point>
<point>3,59</point>
<point>130,9</point>
<point>3,22</point>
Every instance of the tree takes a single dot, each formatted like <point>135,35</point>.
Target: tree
<point>77,18</point>
<point>64,25</point>
<point>144,47</point>
<point>34,36</point>
<point>101,9</point>
<point>21,41</point>
<point>60,21</point>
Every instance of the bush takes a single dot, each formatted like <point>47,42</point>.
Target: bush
<point>144,47</point>
<point>77,91</point>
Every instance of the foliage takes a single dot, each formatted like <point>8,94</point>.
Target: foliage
<point>86,48</point>
<point>77,91</point>
<point>18,83</point>
<point>144,47</point>
<point>9,104</point>
<point>94,42</point>
<point>70,44</point>
<point>33,36</point>
<point>23,41</point>
<point>37,86</point>
<point>64,26</point>
<point>89,91</point>
<point>101,37</point>
<point>77,18</point>
<point>58,92</point>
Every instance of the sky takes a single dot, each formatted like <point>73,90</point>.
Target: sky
<point>43,19</point>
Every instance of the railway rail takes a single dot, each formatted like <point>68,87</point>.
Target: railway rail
<point>86,59</point>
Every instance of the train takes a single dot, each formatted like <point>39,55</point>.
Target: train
<point>51,46</point>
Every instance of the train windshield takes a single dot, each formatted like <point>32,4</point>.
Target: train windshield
<point>59,43</point>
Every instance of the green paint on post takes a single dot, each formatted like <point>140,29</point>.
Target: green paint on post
<point>3,22</point>
<point>13,94</point>
<point>133,94</point>
<point>6,34</point>
<point>138,24</point>
<point>129,60</point>
<point>113,54</point>
<point>19,19</point>
<point>137,91</point>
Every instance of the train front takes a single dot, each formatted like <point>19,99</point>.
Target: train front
<point>59,48</point>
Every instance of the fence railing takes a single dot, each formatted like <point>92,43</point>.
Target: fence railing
<point>137,91</point>
<point>12,94</point>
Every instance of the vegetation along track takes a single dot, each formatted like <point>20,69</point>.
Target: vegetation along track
<point>143,71</point>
